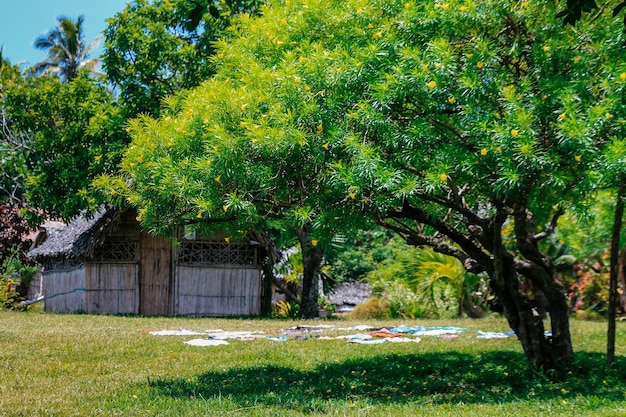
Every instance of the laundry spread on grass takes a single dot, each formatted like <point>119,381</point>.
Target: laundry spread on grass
<point>179,332</point>
<point>366,335</point>
<point>206,342</point>
<point>494,335</point>
<point>360,334</point>
<point>502,335</point>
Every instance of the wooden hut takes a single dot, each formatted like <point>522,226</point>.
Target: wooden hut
<point>107,265</point>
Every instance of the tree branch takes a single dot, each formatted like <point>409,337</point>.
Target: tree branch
<point>469,252</point>
<point>551,226</point>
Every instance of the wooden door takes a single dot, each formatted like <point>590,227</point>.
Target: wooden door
<point>155,283</point>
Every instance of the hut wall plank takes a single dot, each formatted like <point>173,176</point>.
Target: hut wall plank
<point>113,288</point>
<point>155,287</point>
<point>35,289</point>
<point>218,291</point>
<point>65,290</point>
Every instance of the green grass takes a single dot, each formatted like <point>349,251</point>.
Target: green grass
<point>81,365</point>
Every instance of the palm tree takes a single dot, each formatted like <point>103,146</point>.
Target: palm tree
<point>432,268</point>
<point>65,46</point>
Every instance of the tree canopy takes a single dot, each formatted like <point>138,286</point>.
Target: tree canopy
<point>157,48</point>
<point>56,138</point>
<point>467,127</point>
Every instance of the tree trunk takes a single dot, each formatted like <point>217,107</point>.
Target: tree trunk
<point>266,284</point>
<point>482,250</point>
<point>613,296</point>
<point>541,350</point>
<point>621,275</point>
<point>311,262</point>
<point>271,254</point>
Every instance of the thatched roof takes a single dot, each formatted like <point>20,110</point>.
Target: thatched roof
<point>77,239</point>
<point>350,293</point>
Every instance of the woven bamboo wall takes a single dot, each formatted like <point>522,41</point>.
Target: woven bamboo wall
<point>112,288</point>
<point>35,289</point>
<point>65,290</point>
<point>218,291</point>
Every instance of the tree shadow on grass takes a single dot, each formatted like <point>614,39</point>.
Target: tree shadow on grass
<point>428,378</point>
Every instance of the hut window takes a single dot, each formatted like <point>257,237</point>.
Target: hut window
<point>217,253</point>
<point>115,252</point>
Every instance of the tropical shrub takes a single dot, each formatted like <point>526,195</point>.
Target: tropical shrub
<point>8,293</point>
<point>590,293</point>
<point>289,309</point>
<point>374,308</point>
<point>15,273</point>
<point>418,282</point>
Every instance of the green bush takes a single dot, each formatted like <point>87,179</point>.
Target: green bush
<point>374,308</point>
<point>14,271</point>
<point>590,293</point>
<point>287,309</point>
<point>8,294</point>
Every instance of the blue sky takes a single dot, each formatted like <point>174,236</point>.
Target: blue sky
<point>21,21</point>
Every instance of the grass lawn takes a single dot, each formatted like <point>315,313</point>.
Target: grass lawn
<point>81,365</point>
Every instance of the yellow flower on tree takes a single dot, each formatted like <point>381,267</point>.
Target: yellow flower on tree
<point>432,84</point>
<point>443,177</point>
<point>514,132</point>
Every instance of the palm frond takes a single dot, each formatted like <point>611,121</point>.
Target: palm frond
<point>65,49</point>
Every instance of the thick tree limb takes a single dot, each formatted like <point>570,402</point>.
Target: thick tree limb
<point>551,226</point>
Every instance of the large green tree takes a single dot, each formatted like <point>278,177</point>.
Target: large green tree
<point>56,137</point>
<point>467,127</point>
<point>66,49</point>
<point>157,48</point>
